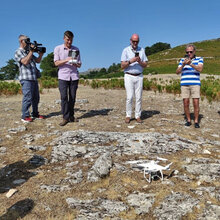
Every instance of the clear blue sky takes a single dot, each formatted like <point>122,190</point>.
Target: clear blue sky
<point>102,28</point>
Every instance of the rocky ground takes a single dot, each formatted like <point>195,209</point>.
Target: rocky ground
<point>82,170</point>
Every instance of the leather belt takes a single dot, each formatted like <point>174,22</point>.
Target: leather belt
<point>133,74</point>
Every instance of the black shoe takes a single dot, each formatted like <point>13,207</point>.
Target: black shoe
<point>73,119</point>
<point>188,123</point>
<point>197,125</point>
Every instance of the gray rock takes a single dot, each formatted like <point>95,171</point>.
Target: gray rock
<point>101,168</point>
<point>64,152</point>
<point>211,212</point>
<point>175,206</point>
<point>103,165</point>
<point>35,148</point>
<point>213,192</point>
<point>141,202</point>
<point>55,188</point>
<point>28,138</point>
<point>204,169</point>
<point>98,208</point>
<point>19,181</point>
<point>92,176</point>
<point>18,129</point>
<point>3,150</point>
<point>58,101</point>
<point>113,207</point>
<point>75,178</point>
<point>82,101</point>
<point>90,144</point>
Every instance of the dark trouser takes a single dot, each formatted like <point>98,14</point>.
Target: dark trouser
<point>31,97</point>
<point>68,101</point>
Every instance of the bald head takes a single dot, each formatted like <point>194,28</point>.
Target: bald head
<point>134,41</point>
<point>135,37</point>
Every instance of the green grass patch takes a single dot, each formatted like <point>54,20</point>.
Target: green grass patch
<point>210,87</point>
<point>48,82</point>
<point>9,88</point>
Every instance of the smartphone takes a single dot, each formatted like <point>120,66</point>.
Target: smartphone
<point>136,54</point>
<point>187,56</point>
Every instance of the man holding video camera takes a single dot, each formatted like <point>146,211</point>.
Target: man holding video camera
<point>133,61</point>
<point>28,74</point>
<point>67,58</point>
<point>190,68</point>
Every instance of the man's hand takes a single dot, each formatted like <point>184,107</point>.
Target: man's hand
<point>33,48</point>
<point>68,59</point>
<point>135,59</point>
<point>187,61</point>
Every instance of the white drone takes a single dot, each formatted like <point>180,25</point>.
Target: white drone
<point>151,168</point>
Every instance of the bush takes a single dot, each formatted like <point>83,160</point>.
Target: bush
<point>11,88</point>
<point>47,82</point>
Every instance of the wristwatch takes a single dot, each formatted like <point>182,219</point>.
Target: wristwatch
<point>129,62</point>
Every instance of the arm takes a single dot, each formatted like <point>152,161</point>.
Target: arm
<point>198,67</point>
<point>179,69</point>
<point>125,64</point>
<point>142,63</point>
<point>62,62</point>
<point>39,58</point>
<point>181,65</point>
<point>26,60</point>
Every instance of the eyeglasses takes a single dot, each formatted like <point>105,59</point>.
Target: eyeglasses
<point>189,52</point>
<point>135,41</point>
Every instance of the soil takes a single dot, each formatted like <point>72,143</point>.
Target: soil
<point>97,110</point>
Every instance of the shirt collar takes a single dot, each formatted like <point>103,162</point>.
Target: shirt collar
<point>66,48</point>
<point>138,49</point>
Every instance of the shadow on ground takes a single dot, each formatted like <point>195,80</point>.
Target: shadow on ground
<point>19,210</point>
<point>149,114</point>
<point>52,114</point>
<point>14,175</point>
<point>193,117</point>
<point>93,113</point>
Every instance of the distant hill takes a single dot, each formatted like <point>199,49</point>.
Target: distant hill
<point>166,61</point>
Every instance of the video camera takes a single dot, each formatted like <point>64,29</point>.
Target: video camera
<point>35,46</point>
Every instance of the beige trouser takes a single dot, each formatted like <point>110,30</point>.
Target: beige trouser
<point>193,91</point>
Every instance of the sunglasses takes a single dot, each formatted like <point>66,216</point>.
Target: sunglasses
<point>189,52</point>
<point>134,41</point>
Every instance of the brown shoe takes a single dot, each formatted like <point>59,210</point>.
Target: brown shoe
<point>139,120</point>
<point>73,119</point>
<point>127,120</point>
<point>64,122</point>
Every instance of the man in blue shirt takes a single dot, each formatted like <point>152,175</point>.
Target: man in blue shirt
<point>190,68</point>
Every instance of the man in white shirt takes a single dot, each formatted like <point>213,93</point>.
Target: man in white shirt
<point>133,61</point>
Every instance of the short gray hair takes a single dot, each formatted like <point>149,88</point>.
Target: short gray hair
<point>191,45</point>
<point>22,37</point>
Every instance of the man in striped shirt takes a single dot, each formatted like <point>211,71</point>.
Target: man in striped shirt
<point>190,68</point>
